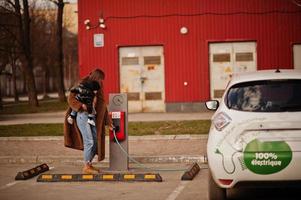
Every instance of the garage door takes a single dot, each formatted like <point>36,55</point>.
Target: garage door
<point>226,59</point>
<point>142,78</point>
<point>297,56</point>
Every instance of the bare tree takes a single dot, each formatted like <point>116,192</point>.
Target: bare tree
<point>3,62</point>
<point>13,61</point>
<point>9,52</point>
<point>71,57</point>
<point>43,34</point>
<point>4,38</point>
<point>70,47</point>
<point>24,41</point>
<point>60,55</point>
<point>37,41</point>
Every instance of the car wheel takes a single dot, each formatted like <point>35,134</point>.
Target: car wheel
<point>214,191</point>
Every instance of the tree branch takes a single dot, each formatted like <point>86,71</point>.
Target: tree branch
<point>11,3</point>
<point>10,52</point>
<point>7,9</point>
<point>15,38</point>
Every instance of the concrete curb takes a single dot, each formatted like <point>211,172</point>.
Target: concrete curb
<point>78,159</point>
<point>131,138</point>
<point>58,117</point>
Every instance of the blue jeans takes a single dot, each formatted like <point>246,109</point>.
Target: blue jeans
<point>89,136</point>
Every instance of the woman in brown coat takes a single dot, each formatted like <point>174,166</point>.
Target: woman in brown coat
<point>80,134</point>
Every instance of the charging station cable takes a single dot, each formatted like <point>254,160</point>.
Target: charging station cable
<point>139,163</point>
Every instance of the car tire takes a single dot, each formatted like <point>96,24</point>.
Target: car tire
<point>214,191</point>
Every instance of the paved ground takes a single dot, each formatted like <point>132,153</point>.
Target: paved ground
<point>181,148</point>
<point>172,148</point>
<point>170,189</point>
<point>174,151</point>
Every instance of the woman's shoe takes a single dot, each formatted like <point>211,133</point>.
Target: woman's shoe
<point>96,169</point>
<point>89,170</point>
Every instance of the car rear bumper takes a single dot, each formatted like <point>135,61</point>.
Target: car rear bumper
<point>268,184</point>
<point>234,169</point>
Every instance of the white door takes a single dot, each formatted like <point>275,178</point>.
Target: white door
<point>142,78</point>
<point>297,56</point>
<point>226,59</point>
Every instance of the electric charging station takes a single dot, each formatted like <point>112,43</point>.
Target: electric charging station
<point>118,109</point>
<point>119,156</point>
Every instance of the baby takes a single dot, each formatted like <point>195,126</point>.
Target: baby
<point>86,94</point>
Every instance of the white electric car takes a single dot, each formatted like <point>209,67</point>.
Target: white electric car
<point>255,136</point>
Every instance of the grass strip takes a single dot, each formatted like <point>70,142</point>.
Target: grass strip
<point>169,127</point>
<point>21,130</point>
<point>44,106</point>
<point>135,128</point>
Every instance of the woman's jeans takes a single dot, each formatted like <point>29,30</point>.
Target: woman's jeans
<point>89,135</point>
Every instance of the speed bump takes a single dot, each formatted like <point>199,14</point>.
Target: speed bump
<point>141,177</point>
<point>149,177</point>
<point>32,172</point>
<point>192,171</point>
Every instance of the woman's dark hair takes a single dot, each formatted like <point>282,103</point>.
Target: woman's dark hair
<point>95,75</point>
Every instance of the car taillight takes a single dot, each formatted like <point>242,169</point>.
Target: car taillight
<point>221,120</point>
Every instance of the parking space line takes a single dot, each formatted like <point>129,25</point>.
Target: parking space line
<point>15,182</point>
<point>8,185</point>
<point>177,191</point>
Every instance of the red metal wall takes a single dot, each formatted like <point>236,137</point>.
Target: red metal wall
<point>273,24</point>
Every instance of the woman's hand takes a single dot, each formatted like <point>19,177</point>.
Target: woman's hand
<point>111,127</point>
<point>84,107</point>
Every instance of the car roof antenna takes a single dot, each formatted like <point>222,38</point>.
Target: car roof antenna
<point>277,70</point>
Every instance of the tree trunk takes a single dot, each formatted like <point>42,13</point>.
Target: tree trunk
<point>46,83</point>
<point>31,86</point>
<point>24,85</point>
<point>60,55</point>
<point>14,76</point>
<point>1,103</point>
<point>24,29</point>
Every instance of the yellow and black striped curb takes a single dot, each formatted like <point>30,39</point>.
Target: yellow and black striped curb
<point>149,177</point>
<point>191,172</point>
<point>32,172</point>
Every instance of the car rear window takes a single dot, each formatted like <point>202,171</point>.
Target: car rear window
<point>265,96</point>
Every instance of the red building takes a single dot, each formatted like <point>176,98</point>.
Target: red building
<point>172,55</point>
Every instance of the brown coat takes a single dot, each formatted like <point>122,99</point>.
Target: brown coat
<point>72,136</point>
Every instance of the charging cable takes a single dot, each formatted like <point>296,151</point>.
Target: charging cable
<point>139,163</point>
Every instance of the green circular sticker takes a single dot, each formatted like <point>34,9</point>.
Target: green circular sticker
<point>267,157</point>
